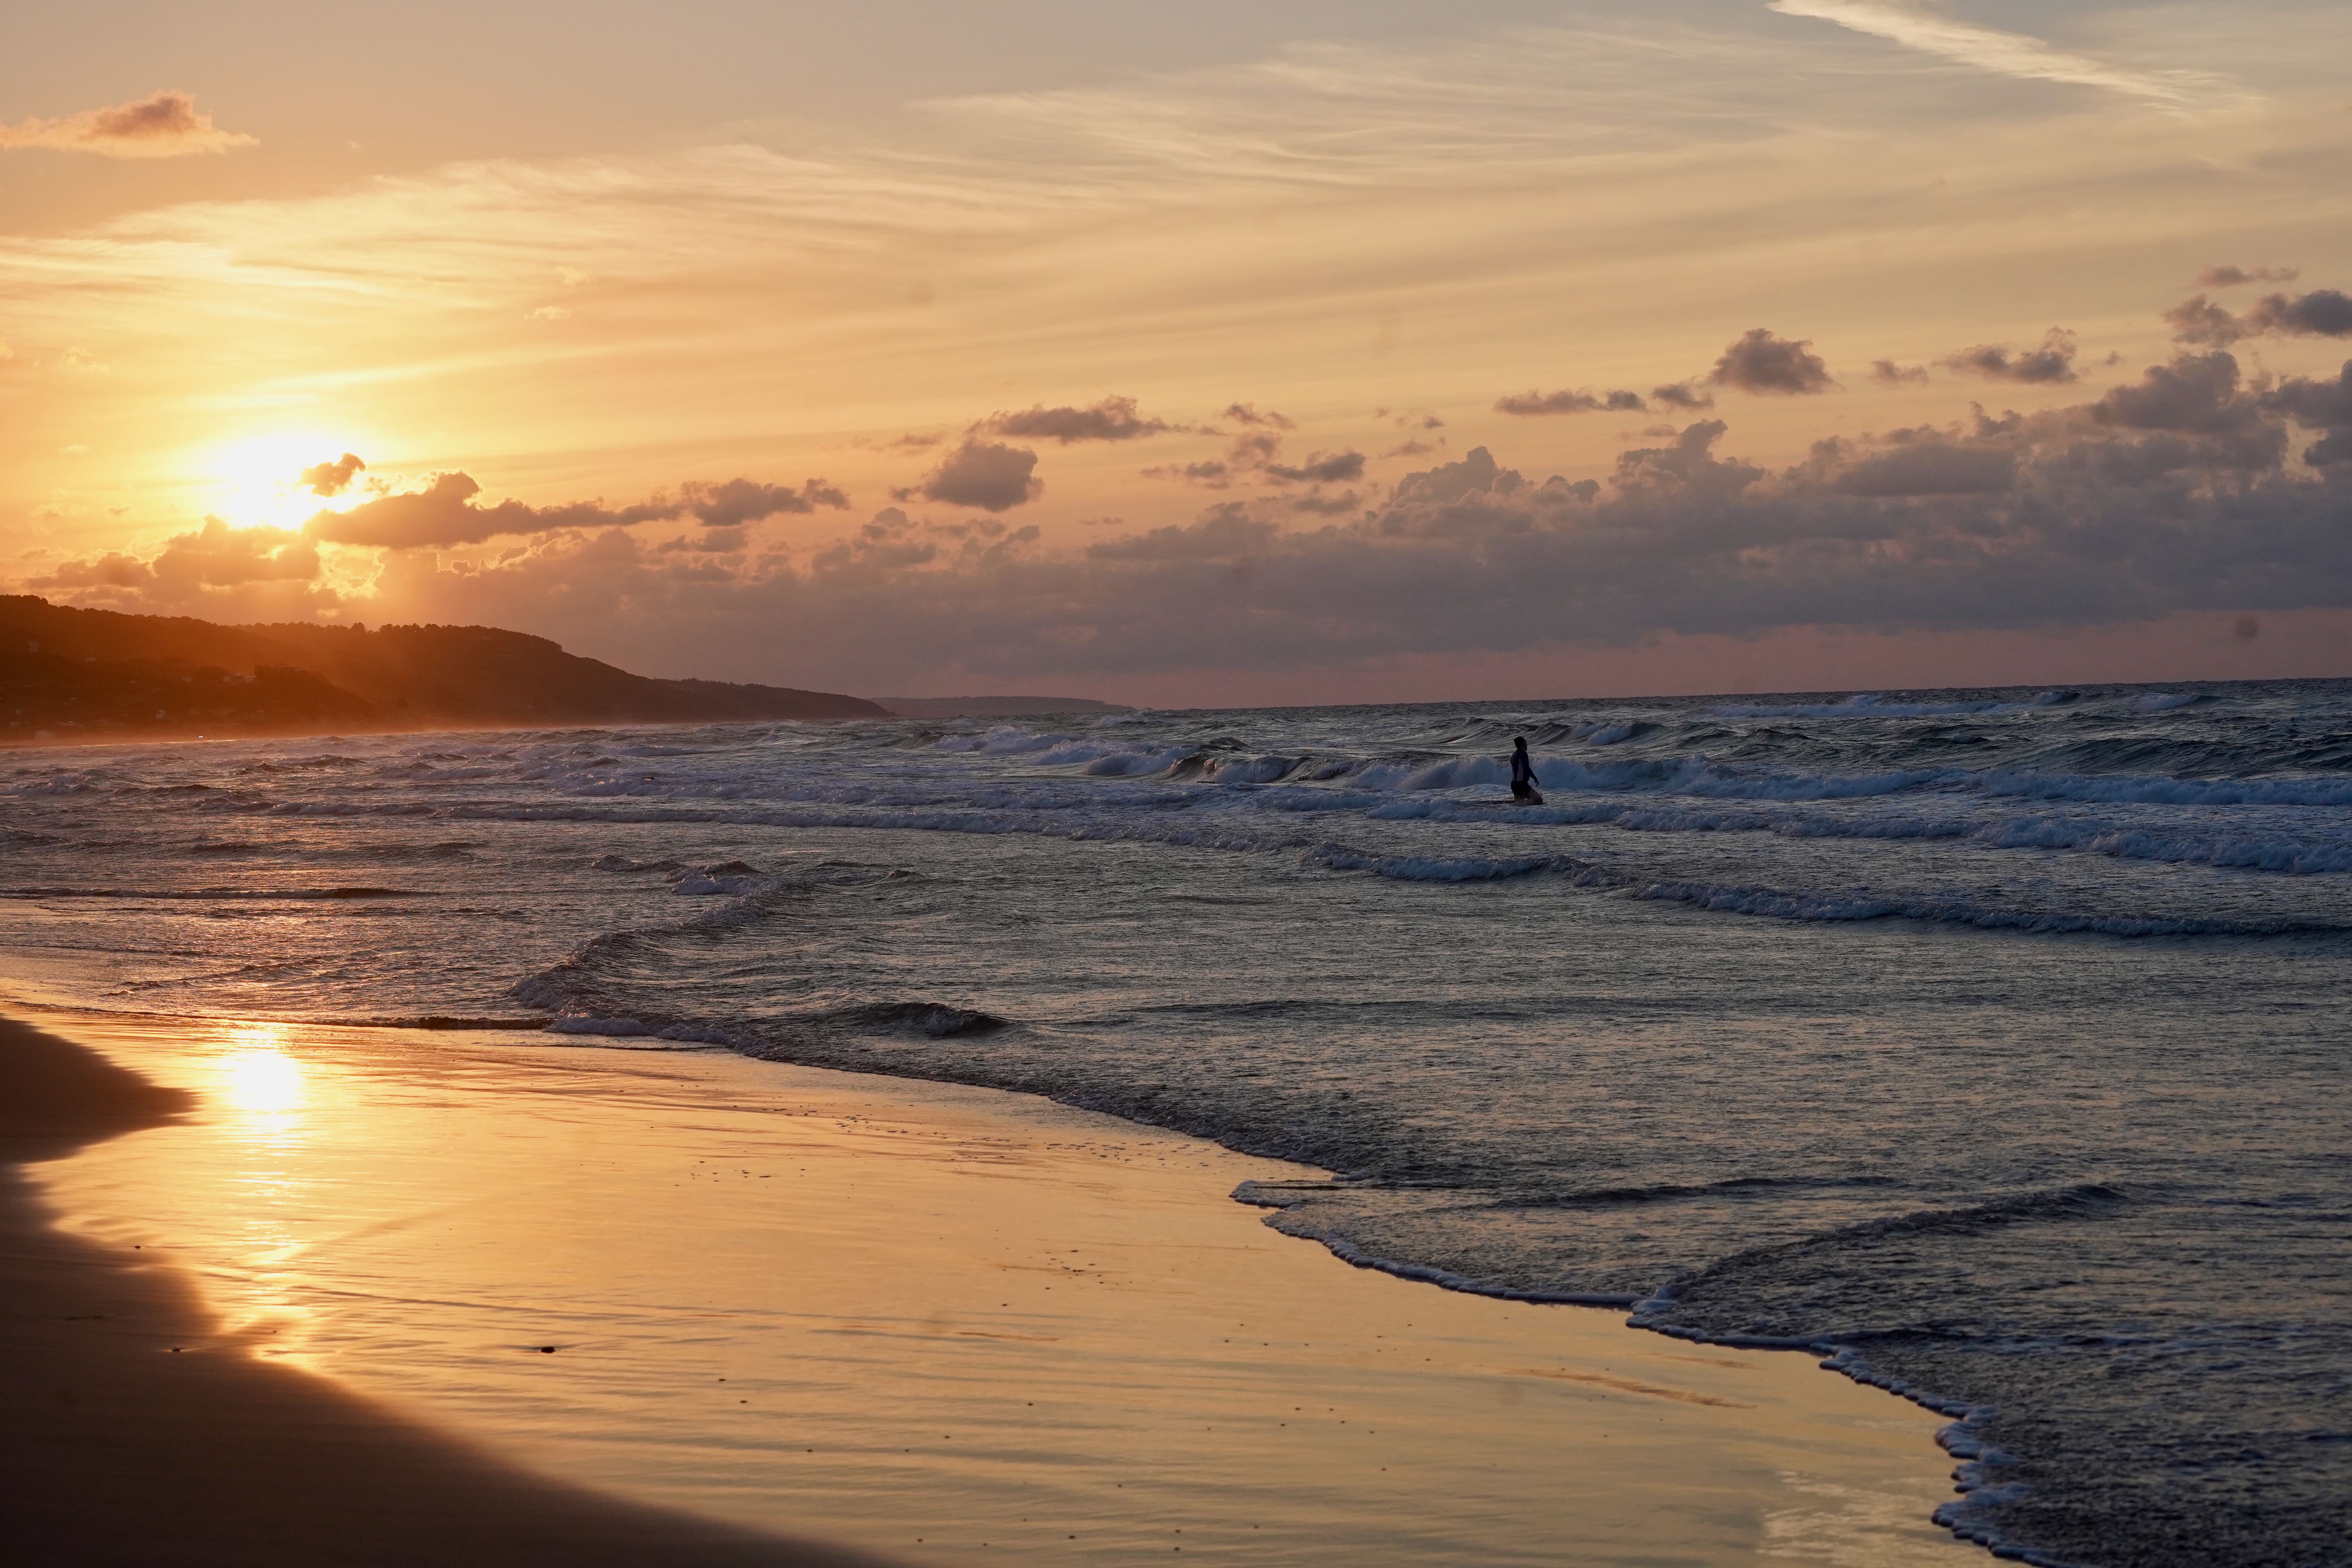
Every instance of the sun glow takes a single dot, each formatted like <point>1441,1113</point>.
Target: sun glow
<point>262,1080</point>
<point>255,481</point>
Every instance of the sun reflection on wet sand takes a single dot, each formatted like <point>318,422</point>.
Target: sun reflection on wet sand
<point>262,1079</point>
<point>266,1093</point>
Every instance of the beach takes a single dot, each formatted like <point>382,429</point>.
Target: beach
<point>1981,1043</point>
<point>302,1293</point>
<point>142,1433</point>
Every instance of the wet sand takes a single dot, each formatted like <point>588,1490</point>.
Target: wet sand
<point>138,1433</point>
<point>944,1324</point>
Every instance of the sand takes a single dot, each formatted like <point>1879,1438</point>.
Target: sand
<point>137,1434</point>
<point>944,1324</point>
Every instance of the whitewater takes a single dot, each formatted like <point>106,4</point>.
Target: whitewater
<point>1992,1044</point>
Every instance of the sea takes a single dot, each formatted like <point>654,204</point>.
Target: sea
<point>1993,1044</point>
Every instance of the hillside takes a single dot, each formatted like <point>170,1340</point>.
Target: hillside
<point>80,675</point>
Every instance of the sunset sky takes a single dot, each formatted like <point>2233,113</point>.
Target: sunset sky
<point>1214,354</point>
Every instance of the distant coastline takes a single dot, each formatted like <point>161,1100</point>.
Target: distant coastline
<point>995,707</point>
<point>71,676</point>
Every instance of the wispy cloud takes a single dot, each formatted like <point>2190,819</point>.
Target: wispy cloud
<point>2016,55</point>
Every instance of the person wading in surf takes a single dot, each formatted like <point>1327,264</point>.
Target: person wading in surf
<point>1523,773</point>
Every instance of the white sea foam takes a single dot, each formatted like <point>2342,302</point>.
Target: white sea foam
<point>1850,906</point>
<point>1863,705</point>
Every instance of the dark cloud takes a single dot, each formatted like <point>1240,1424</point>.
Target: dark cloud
<point>1213,474</point>
<point>2196,393</point>
<point>162,125</point>
<point>713,541</point>
<point>1886,373</point>
<point>2050,364</point>
<point>1336,468</point>
<point>2325,403</point>
<point>1411,450</point>
<point>746,500</point>
<point>443,512</point>
<point>1247,414</point>
<point>331,478</point>
<point>1112,419</point>
<point>2197,319</point>
<point>984,474</point>
<point>1681,396</point>
<point>1775,366</point>
<point>2319,405</point>
<point>1572,403</point>
<point>1220,533</point>
<point>1254,449</point>
<point>2322,313</point>
<point>1928,468</point>
<point>2227,277</point>
<point>1688,466</point>
<point>1316,503</point>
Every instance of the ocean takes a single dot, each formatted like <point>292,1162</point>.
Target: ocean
<point>1993,1044</point>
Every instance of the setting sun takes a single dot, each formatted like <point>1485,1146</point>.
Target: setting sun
<point>260,480</point>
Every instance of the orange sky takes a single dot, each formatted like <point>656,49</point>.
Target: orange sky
<point>1244,272</point>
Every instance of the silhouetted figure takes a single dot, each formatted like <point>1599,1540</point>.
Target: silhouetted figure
<point>1523,773</point>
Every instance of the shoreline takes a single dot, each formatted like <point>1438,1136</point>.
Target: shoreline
<point>1746,1459</point>
<point>141,1434</point>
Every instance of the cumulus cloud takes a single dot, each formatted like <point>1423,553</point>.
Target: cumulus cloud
<point>1886,373</point>
<point>2226,276</point>
<point>1929,467</point>
<point>214,556</point>
<point>445,511</point>
<point>162,125</point>
<point>1258,450</point>
<point>2052,363</point>
<point>989,475</point>
<point>737,501</point>
<point>1113,419</point>
<point>1215,475</point>
<point>1319,469</point>
<point>1220,533</point>
<point>1572,403</point>
<point>1761,362</point>
<point>1247,414</point>
<point>2322,313</point>
<point>331,478</point>
<point>2318,405</point>
<point>1680,396</point>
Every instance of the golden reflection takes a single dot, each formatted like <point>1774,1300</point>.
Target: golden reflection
<point>262,1079</point>
<point>266,1091</point>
